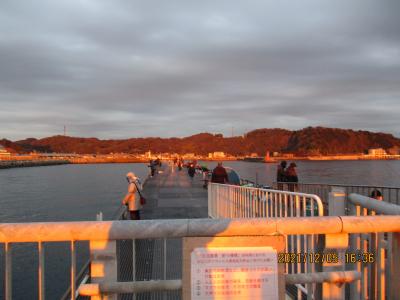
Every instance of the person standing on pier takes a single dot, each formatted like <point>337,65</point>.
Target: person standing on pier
<point>131,199</point>
<point>291,177</point>
<point>219,174</point>
<point>191,170</point>
<point>152,166</point>
<point>180,164</point>
<point>281,174</point>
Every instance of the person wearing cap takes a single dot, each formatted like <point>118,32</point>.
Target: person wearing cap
<point>132,200</point>
<point>291,177</point>
<point>376,194</point>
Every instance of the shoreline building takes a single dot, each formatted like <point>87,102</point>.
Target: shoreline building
<point>377,152</point>
<point>217,155</point>
<point>4,154</point>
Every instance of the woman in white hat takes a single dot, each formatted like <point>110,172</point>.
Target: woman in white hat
<point>132,200</point>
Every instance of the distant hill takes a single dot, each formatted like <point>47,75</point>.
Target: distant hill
<point>10,146</point>
<point>307,141</point>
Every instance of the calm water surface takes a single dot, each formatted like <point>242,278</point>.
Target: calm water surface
<point>78,192</point>
<point>57,193</point>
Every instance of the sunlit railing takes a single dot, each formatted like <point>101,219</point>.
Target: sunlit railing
<point>230,201</point>
<point>374,283</point>
<point>73,232</point>
<point>389,194</point>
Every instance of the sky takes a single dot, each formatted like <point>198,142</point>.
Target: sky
<point>119,69</point>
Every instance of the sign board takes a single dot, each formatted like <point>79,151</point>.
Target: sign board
<point>240,267</point>
<point>234,273</point>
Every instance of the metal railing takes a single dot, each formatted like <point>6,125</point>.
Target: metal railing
<point>73,232</point>
<point>375,283</point>
<point>230,201</point>
<point>389,194</point>
<point>84,273</point>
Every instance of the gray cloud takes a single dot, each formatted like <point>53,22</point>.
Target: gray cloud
<point>149,68</point>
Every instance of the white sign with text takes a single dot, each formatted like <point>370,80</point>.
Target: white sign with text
<point>234,273</point>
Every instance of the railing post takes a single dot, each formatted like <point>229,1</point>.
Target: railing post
<point>337,243</point>
<point>210,201</point>
<point>337,201</point>
<point>8,271</point>
<point>41,287</point>
<point>355,245</point>
<point>395,270</point>
<point>103,266</point>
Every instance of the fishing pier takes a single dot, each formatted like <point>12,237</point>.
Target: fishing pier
<point>230,242</point>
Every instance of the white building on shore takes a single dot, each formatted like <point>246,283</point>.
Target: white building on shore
<point>377,152</point>
<point>4,154</point>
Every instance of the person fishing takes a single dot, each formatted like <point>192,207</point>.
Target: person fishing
<point>131,199</point>
<point>281,174</point>
<point>205,172</point>
<point>191,170</point>
<point>180,164</point>
<point>152,166</point>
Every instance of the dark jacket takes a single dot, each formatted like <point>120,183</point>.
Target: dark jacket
<point>191,171</point>
<point>219,175</point>
<point>291,174</point>
<point>280,174</point>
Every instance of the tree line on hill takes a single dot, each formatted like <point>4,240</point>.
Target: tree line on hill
<point>307,141</point>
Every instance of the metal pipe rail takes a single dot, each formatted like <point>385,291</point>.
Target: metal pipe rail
<point>390,194</point>
<point>320,277</point>
<point>347,185</point>
<point>149,229</point>
<point>381,279</point>
<point>379,207</point>
<point>231,201</point>
<point>83,274</point>
<point>95,289</point>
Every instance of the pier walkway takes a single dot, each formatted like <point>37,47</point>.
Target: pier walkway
<point>171,194</point>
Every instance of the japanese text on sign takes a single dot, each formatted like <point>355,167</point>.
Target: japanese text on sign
<point>234,273</point>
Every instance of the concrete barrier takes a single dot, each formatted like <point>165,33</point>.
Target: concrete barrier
<point>31,163</point>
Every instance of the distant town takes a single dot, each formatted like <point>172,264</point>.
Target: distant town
<point>259,145</point>
<point>269,157</point>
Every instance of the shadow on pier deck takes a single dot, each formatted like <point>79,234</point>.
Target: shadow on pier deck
<point>170,194</point>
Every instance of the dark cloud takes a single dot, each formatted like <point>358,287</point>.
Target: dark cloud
<point>151,68</point>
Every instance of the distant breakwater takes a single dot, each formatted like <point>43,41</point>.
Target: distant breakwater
<point>8,164</point>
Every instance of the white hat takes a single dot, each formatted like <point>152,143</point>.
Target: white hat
<point>131,175</point>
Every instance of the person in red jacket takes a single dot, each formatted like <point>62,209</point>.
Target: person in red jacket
<point>219,174</point>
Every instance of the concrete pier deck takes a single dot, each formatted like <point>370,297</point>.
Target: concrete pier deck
<point>171,194</point>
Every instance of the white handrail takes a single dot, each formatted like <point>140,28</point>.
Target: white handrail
<point>142,229</point>
<point>379,207</point>
<point>232,201</point>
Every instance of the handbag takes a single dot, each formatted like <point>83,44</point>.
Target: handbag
<point>142,199</point>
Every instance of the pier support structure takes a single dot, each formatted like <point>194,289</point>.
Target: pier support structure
<point>335,243</point>
<point>103,267</point>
